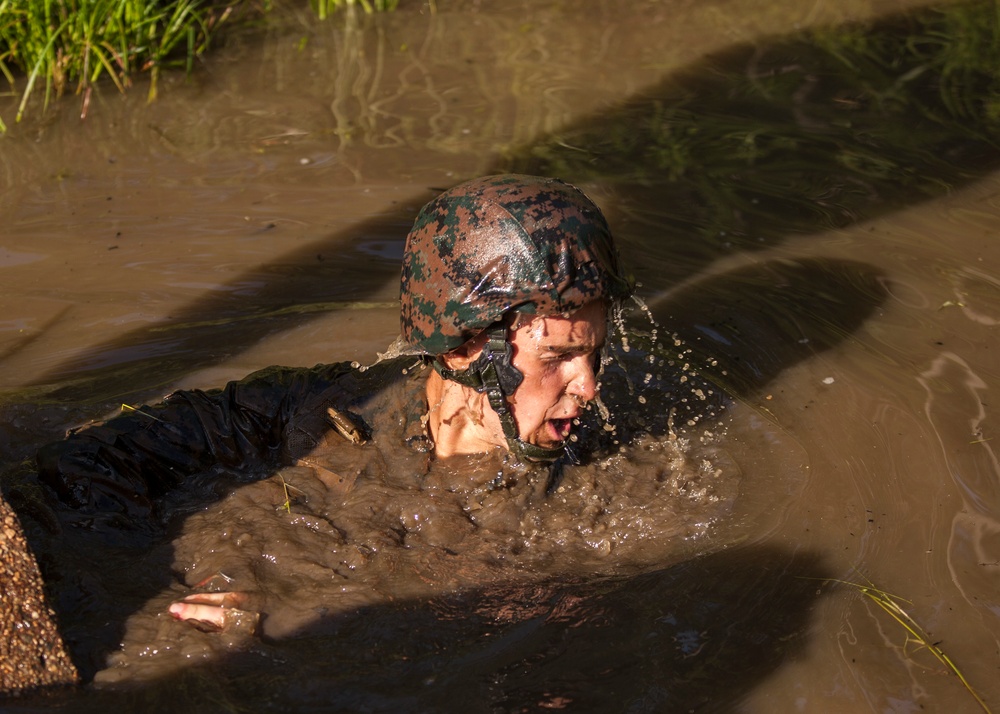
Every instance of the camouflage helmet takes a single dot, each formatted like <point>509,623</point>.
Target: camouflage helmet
<point>500,243</point>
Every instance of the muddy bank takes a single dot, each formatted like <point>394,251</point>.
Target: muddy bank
<point>32,654</point>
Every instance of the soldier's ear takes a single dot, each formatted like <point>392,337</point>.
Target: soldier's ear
<point>461,357</point>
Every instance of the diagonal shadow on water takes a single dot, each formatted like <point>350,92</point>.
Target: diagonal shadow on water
<point>736,332</point>
<point>787,136</point>
<point>756,321</point>
<point>696,636</point>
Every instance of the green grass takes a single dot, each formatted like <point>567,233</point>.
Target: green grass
<point>916,636</point>
<point>55,46</point>
<point>61,45</point>
<point>324,8</point>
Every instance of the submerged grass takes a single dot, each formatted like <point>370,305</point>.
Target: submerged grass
<point>61,45</point>
<point>915,633</point>
<point>812,131</point>
<point>324,8</point>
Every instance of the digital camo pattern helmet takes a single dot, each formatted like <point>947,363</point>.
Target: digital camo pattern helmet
<point>501,243</point>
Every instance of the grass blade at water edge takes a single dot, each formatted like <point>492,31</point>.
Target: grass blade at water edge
<point>890,604</point>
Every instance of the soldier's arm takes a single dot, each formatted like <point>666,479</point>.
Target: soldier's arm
<point>124,464</point>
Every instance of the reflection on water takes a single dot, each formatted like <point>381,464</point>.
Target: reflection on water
<point>792,135</point>
<point>812,206</point>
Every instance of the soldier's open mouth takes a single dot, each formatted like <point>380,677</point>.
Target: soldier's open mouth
<point>561,428</point>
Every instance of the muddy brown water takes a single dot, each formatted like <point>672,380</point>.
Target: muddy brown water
<point>846,323</point>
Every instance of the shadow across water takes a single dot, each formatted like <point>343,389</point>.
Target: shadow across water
<point>696,636</point>
<point>786,136</point>
<point>756,321</point>
<point>727,336</point>
<point>791,136</point>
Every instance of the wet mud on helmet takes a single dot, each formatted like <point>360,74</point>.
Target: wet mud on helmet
<point>496,245</point>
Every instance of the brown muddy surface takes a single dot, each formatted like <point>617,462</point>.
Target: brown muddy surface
<point>255,215</point>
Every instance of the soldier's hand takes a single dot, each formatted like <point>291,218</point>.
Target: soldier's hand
<point>216,612</point>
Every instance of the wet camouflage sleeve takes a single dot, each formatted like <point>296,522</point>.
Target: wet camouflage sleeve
<point>123,465</point>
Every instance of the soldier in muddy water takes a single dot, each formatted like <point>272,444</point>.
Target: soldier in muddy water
<point>507,286</point>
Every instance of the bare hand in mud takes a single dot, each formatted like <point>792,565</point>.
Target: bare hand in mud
<point>216,611</point>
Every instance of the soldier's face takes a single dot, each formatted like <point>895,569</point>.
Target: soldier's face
<point>557,356</point>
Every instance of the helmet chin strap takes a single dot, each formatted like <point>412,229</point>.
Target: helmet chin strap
<point>495,374</point>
